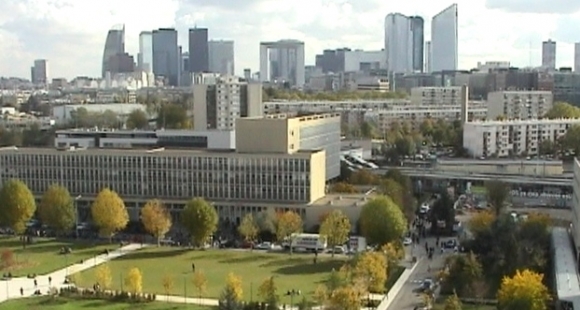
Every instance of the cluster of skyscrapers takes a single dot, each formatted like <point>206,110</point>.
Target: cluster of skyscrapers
<point>160,54</point>
<point>407,50</point>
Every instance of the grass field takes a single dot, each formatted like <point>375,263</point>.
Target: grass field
<point>46,303</point>
<point>43,256</point>
<point>441,306</point>
<point>290,272</point>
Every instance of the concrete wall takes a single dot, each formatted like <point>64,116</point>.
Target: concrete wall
<point>392,294</point>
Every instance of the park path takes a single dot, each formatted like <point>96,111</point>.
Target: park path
<point>11,289</point>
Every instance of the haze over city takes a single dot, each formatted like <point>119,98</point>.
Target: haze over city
<point>71,34</point>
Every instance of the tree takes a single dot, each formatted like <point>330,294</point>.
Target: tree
<point>442,214</point>
<point>173,116</point>
<point>304,304</point>
<point>335,227</point>
<point>267,221</point>
<point>103,276</point>
<point>371,268</point>
<point>200,219</point>
<point>109,213</point>
<point>17,205</point>
<point>108,119</point>
<point>269,293</point>
<point>525,290</point>
<point>168,284</point>
<point>232,295</point>
<point>199,281</point>
<point>571,140</point>
<point>134,281</point>
<point>367,130</point>
<point>393,252</point>
<point>289,223</point>
<point>248,228</point>
<point>381,221</point>
<point>344,298</point>
<point>497,194</point>
<point>321,294</point>
<point>464,271</point>
<point>453,303</point>
<point>394,190</point>
<point>563,110</point>
<point>336,279</point>
<point>137,119</point>
<point>57,209</point>
<point>156,219</point>
<point>547,147</point>
<point>481,222</point>
<point>342,187</point>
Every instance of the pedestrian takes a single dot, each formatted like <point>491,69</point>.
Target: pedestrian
<point>193,267</point>
<point>35,283</point>
<point>21,292</point>
<point>49,281</point>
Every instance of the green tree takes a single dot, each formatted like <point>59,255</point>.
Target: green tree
<point>267,221</point>
<point>156,219</point>
<point>381,221</point>
<point>268,291</point>
<point>248,228</point>
<point>232,295</point>
<point>335,227</point>
<point>289,223</point>
<point>336,280</point>
<point>108,119</point>
<point>497,193</point>
<point>525,290</point>
<point>571,140</point>
<point>167,283</point>
<point>367,130</point>
<point>563,110</point>
<point>80,118</point>
<point>344,298</point>
<point>547,147</point>
<point>200,219</point>
<point>465,270</point>
<point>17,205</point>
<point>173,116</point>
<point>394,190</point>
<point>134,281</point>
<point>109,213</point>
<point>137,119</point>
<point>442,214</point>
<point>57,209</point>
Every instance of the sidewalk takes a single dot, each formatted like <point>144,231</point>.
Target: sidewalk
<point>11,289</point>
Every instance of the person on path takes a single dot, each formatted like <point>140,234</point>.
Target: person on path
<point>49,281</point>
<point>21,292</point>
<point>35,283</point>
<point>193,267</point>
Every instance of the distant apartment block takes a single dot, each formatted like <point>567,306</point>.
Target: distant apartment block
<point>430,96</point>
<point>519,104</point>
<point>218,102</point>
<point>39,72</point>
<point>512,137</point>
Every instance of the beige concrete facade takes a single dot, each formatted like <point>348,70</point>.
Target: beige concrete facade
<point>507,167</point>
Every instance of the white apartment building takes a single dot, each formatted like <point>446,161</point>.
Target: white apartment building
<point>520,104</point>
<point>512,137</point>
<point>492,65</point>
<point>415,115</point>
<point>575,229</point>
<point>277,107</point>
<point>430,96</point>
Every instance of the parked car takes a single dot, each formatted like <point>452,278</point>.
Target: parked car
<point>264,246</point>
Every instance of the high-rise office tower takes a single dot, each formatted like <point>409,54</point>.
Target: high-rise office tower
<point>166,56</point>
<point>444,40</point>
<point>217,104</point>
<point>114,45</point>
<point>398,43</point>
<point>282,62</point>
<point>221,57</point>
<point>198,50</point>
<point>549,55</point>
<point>428,56</point>
<point>39,72</point>
<point>577,57</point>
<point>418,33</point>
<point>145,59</point>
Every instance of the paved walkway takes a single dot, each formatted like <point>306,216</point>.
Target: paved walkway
<point>10,289</point>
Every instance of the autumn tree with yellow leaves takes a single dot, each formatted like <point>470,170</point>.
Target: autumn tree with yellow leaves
<point>289,223</point>
<point>481,221</point>
<point>335,227</point>
<point>199,281</point>
<point>249,229</point>
<point>109,213</point>
<point>371,267</point>
<point>134,281</point>
<point>525,290</point>
<point>103,276</point>
<point>232,295</point>
<point>156,219</point>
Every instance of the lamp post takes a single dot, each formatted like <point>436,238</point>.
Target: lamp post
<point>292,293</point>
<point>251,292</point>
<point>185,290</point>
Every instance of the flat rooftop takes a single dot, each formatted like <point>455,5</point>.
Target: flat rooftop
<point>134,151</point>
<point>484,162</point>
<point>567,282</point>
<point>344,200</point>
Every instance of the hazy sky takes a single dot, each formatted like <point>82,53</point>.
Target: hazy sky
<point>71,33</point>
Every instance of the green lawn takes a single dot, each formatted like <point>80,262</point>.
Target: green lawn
<point>46,303</point>
<point>440,306</point>
<point>290,272</point>
<point>43,256</point>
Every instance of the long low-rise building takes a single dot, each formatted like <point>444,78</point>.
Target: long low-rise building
<point>512,137</point>
<point>415,115</point>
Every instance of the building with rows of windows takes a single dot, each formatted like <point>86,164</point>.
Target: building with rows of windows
<point>279,162</point>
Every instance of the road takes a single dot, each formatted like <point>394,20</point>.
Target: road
<point>407,298</point>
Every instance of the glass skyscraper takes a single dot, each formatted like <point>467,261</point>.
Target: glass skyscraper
<point>114,45</point>
<point>146,51</point>
<point>444,40</point>
<point>166,56</point>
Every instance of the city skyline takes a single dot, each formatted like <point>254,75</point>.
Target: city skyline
<point>72,35</point>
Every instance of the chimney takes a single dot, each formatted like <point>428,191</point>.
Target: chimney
<point>464,103</point>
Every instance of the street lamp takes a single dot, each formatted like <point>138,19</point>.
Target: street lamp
<point>292,293</point>
<point>77,215</point>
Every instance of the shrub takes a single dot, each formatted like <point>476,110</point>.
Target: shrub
<point>7,258</point>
